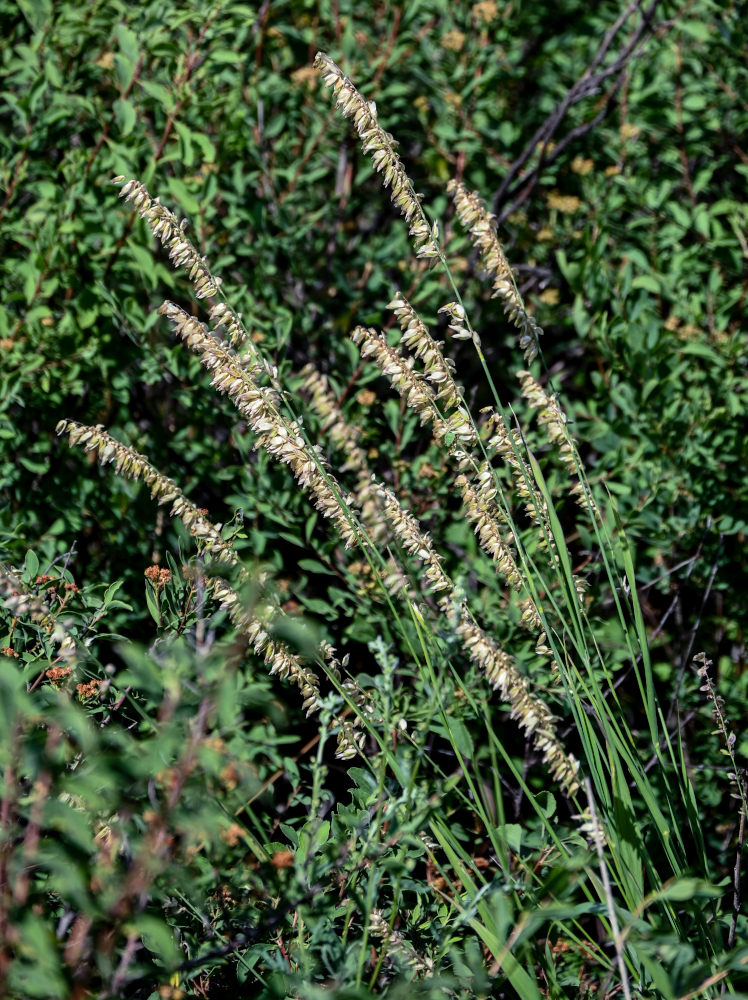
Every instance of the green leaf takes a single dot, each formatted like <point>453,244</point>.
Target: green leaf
<point>31,566</point>
<point>52,74</point>
<point>225,56</point>
<point>125,114</point>
<point>206,146</point>
<point>684,890</point>
<point>158,938</point>
<point>647,282</point>
<point>152,602</point>
<point>38,468</point>
<point>127,41</point>
<point>36,12</point>
<point>458,734</point>
<point>314,566</point>
<point>159,93</point>
<point>185,136</point>
<point>318,607</point>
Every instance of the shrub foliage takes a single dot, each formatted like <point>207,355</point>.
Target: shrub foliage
<point>404,707</point>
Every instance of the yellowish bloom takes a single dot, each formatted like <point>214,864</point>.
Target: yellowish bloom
<point>486,11</point>
<point>581,166</point>
<point>453,40</point>
<point>566,203</point>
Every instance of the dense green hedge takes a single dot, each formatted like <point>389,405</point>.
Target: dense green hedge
<point>611,144</point>
<point>636,227</point>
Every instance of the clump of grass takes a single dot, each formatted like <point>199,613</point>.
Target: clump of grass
<point>516,692</point>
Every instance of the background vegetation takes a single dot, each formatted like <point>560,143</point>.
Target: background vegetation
<point>610,140</point>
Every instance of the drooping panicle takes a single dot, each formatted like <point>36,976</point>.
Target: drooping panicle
<point>168,228</point>
<point>481,225</point>
<point>381,145</point>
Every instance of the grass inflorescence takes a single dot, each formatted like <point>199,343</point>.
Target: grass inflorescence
<point>481,807</point>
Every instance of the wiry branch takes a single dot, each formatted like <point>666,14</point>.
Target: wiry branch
<point>516,186</point>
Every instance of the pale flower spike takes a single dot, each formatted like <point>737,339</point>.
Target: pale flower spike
<point>381,145</point>
<point>345,437</point>
<point>481,225</point>
<point>165,225</point>
<point>260,406</point>
<point>276,654</point>
<point>431,392</point>
<point>455,432</point>
<point>437,368</point>
<point>530,711</point>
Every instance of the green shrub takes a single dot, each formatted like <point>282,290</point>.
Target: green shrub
<point>220,108</point>
<point>511,819</point>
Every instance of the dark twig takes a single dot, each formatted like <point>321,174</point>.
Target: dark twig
<point>547,156</point>
<point>737,900</point>
<point>589,83</point>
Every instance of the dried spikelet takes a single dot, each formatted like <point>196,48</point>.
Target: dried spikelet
<point>183,253</point>
<point>350,735</point>
<point>286,664</point>
<point>455,433</point>
<point>458,323</point>
<point>168,228</point>
<point>260,407</point>
<point>527,709</point>
<point>416,337</point>
<point>130,463</point>
<point>415,390</point>
<point>409,383</point>
<point>345,437</point>
<point>415,541</point>
<point>223,316</point>
<point>381,146</point>
<point>509,445</point>
<point>332,420</point>
<point>553,418</point>
<point>282,662</point>
<point>736,776</point>
<point>17,599</point>
<point>486,517</point>
<point>530,711</point>
<point>482,227</point>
